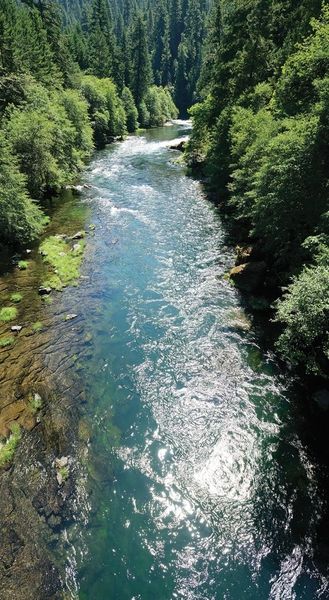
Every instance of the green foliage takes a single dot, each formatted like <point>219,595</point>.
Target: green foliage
<point>20,219</point>
<point>297,87</point>
<point>8,313</point>
<point>6,341</point>
<point>159,105</point>
<point>266,153</point>
<point>35,403</point>
<point>143,115</point>
<point>304,314</point>
<point>130,110</point>
<point>106,109</point>
<point>64,472</point>
<point>22,265</point>
<point>141,68</point>
<point>7,448</point>
<point>16,297</point>
<point>249,136</point>
<point>37,327</point>
<point>52,138</point>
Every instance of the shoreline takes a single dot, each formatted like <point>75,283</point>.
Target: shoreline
<point>43,392</point>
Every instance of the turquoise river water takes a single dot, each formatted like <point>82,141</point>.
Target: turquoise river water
<point>200,485</point>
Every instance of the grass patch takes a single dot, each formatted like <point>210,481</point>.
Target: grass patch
<point>37,326</point>
<point>8,313</point>
<point>65,261</point>
<point>16,297</point>
<point>22,265</point>
<point>6,341</point>
<point>35,403</point>
<point>64,473</point>
<point>7,448</point>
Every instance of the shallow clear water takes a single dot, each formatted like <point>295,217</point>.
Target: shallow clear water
<point>200,486</point>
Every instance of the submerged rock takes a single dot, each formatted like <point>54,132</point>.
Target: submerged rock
<point>78,236</point>
<point>43,290</point>
<point>77,189</point>
<point>61,462</point>
<point>180,146</point>
<point>70,316</point>
<point>248,276</point>
<point>239,320</point>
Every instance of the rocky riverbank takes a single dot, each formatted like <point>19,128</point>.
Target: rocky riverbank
<point>42,395</point>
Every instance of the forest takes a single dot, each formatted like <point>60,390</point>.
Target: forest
<point>77,76</point>
<point>254,77</point>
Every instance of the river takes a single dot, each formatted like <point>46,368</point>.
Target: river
<point>200,486</point>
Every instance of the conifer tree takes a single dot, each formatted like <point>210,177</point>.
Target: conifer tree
<point>141,63</point>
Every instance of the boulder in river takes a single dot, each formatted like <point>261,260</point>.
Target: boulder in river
<point>70,316</point>
<point>16,328</point>
<point>180,146</point>
<point>44,290</point>
<point>78,236</point>
<point>248,276</point>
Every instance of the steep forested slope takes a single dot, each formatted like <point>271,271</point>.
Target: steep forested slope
<point>103,38</point>
<point>261,137</point>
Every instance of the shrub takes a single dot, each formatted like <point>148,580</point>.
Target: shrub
<point>160,106</point>
<point>16,297</point>
<point>8,313</point>
<point>106,109</point>
<point>21,221</point>
<point>304,313</point>
<point>6,341</point>
<point>7,449</point>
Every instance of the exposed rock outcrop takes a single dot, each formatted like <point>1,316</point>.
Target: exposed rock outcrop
<point>248,276</point>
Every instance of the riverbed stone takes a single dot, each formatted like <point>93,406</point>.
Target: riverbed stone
<point>248,276</point>
<point>61,462</point>
<point>180,146</point>
<point>70,317</point>
<point>79,235</point>
<point>44,290</point>
<point>16,328</point>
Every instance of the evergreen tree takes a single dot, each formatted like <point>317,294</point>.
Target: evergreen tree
<point>141,63</point>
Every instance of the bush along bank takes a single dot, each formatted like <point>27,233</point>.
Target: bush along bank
<point>260,138</point>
